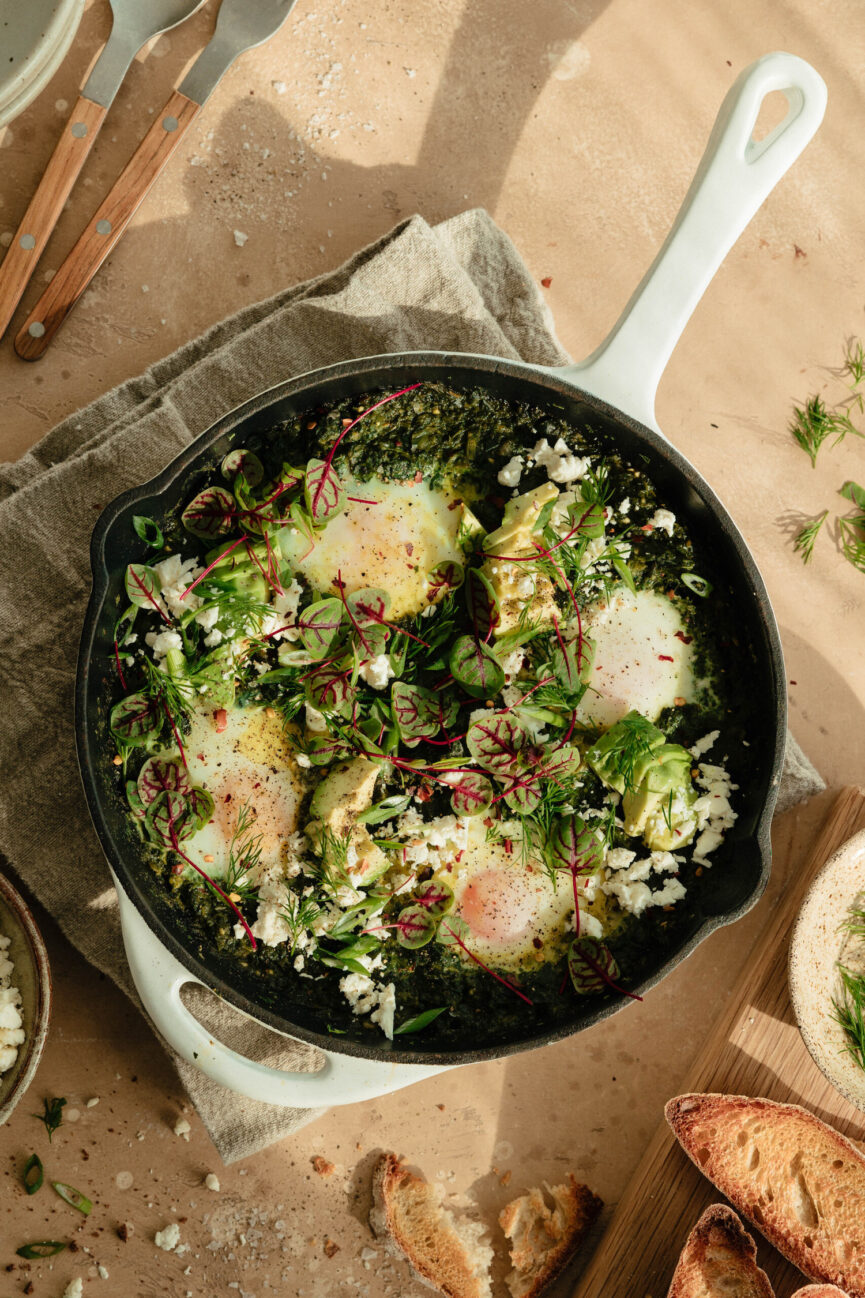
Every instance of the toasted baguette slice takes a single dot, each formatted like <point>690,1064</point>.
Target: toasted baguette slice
<point>820,1291</point>
<point>445,1253</point>
<point>544,1238</point>
<point>799,1181</point>
<point>719,1260</point>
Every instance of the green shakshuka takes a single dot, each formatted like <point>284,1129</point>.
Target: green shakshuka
<point>427,714</point>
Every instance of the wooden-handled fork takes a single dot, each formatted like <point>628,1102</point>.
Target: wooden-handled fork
<point>241,25</point>
<point>134,24</point>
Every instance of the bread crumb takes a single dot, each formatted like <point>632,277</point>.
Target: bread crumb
<point>240,238</point>
<point>322,1166</point>
<point>169,1238</point>
<point>505,1178</point>
<point>331,1247</point>
<point>92,1102</point>
<point>212,1182</point>
<point>182,1128</point>
<point>74,1289</point>
<point>279,86</point>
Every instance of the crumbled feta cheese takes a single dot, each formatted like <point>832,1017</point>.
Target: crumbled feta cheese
<point>384,1012</point>
<point>663,520</point>
<point>212,1182</point>
<point>626,880</point>
<point>175,576</point>
<point>715,815</point>
<point>161,642</point>
<point>359,991</point>
<point>561,465</point>
<point>213,638</point>
<point>510,475</point>
<point>511,663</point>
<point>703,745</point>
<point>590,925</point>
<point>208,617</point>
<point>285,609</point>
<point>315,720</point>
<point>74,1289</point>
<point>303,760</point>
<point>240,238</point>
<point>12,1032</point>
<point>625,506</point>
<point>182,1128</point>
<point>167,1239</point>
<point>377,671</point>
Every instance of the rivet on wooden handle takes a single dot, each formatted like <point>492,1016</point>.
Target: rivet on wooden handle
<point>43,212</point>
<point>106,226</point>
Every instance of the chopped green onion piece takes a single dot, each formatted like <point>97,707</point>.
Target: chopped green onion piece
<point>73,1197</point>
<point>148,529</point>
<point>420,1021</point>
<point>33,1174</point>
<point>41,1248</point>
<point>697,584</point>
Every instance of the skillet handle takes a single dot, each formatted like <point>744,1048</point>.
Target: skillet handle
<point>159,979</point>
<point>735,176</point>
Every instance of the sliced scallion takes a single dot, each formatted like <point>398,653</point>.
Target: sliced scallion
<point>33,1174</point>
<point>73,1197</point>
<point>41,1248</point>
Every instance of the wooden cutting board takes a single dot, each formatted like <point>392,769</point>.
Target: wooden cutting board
<point>754,1049</point>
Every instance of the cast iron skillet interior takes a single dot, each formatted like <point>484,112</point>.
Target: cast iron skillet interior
<point>727,891</point>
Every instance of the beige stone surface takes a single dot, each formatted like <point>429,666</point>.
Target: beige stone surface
<point>578,124</point>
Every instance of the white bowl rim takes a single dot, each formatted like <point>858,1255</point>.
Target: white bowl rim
<point>813,983</point>
<point>25,1067</point>
<point>20,92</point>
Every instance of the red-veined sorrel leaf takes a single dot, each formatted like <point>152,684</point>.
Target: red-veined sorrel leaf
<point>329,689</point>
<point>136,806</point>
<point>323,749</point>
<point>368,606</point>
<point>436,898</point>
<point>471,794</point>
<point>161,775</point>
<point>453,932</point>
<point>559,762</point>
<point>211,514</point>
<point>475,667</point>
<point>523,794</point>
<point>245,462</point>
<point>416,711</point>
<point>572,846</point>
<point>497,743</point>
<point>571,659</point>
<point>415,926</point>
<point>593,967</point>
<point>323,492</point>
<point>142,588</point>
<point>168,819</point>
<point>319,624</point>
<point>444,578</point>
<point>482,605</point>
<point>136,719</point>
<point>200,805</point>
<point>370,641</point>
<point>448,708</point>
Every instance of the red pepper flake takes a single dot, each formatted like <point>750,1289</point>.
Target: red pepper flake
<point>459,856</point>
<point>455,504</point>
<point>547,281</point>
<point>418,477</point>
<point>221,720</point>
<point>227,798</point>
<point>424,793</point>
<point>508,845</point>
<point>685,639</point>
<point>647,527</point>
<point>409,548</point>
<point>665,658</point>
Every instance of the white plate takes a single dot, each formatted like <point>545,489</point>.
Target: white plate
<point>32,977</point>
<point>818,941</point>
<point>35,36</point>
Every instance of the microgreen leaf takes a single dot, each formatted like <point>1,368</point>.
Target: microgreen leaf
<point>199,805</point>
<point>476,668</point>
<point>33,1174</point>
<point>244,462</point>
<point>592,966</point>
<point>497,742</point>
<point>142,588</point>
<point>481,603</point>
<point>73,1197</point>
<point>471,794</point>
<point>368,606</point>
<point>435,897</point>
<point>416,711</point>
<point>149,530</point>
<point>53,1115</point>
<point>419,1021</point>
<point>444,578</point>
<point>319,625</point>
<point>329,689</point>
<point>454,932</point>
<point>853,492</point>
<point>211,514</point>
<point>168,818</point>
<point>624,572</point>
<point>161,775</point>
<point>323,492</point>
<point>384,810</point>
<point>136,719</point>
<point>415,927</point>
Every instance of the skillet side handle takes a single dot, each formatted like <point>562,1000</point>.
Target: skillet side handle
<point>159,979</point>
<point>735,176</point>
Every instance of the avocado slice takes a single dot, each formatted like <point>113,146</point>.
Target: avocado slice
<point>239,572</point>
<point>521,514</point>
<point>343,793</point>
<point>654,779</point>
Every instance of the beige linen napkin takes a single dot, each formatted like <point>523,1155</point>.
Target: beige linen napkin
<point>459,286</point>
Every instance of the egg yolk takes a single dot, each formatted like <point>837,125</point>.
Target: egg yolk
<point>497,906</point>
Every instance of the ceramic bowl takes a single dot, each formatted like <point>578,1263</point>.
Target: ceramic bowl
<point>35,37</point>
<point>32,977</point>
<point>819,941</point>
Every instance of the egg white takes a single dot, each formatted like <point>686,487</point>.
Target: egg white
<point>392,543</point>
<point>247,763</point>
<point>640,661</point>
<point>516,915</point>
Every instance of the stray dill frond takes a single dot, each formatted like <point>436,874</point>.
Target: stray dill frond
<point>171,691</point>
<point>299,913</point>
<point>595,486</point>
<point>806,536</point>
<point>851,529</point>
<point>849,1011</point>
<point>244,854</point>
<point>815,423</point>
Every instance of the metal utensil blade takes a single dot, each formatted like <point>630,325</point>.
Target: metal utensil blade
<point>242,24</point>
<point>135,23</point>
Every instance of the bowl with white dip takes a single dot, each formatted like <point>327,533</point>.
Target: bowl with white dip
<point>25,997</point>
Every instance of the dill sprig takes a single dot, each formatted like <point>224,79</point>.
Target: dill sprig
<point>172,692</point>
<point>815,422</point>
<point>299,913</point>
<point>849,1011</point>
<point>807,535</point>
<point>244,855</point>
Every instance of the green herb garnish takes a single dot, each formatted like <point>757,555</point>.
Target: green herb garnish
<point>852,527</point>
<point>419,1021</point>
<point>33,1175</point>
<point>53,1115</point>
<point>149,530</point>
<point>807,535</point>
<point>41,1248</point>
<point>73,1197</point>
